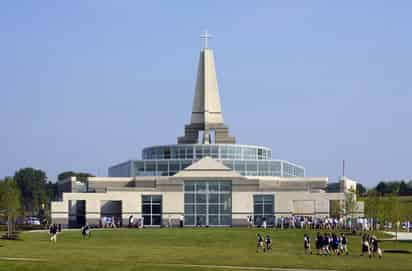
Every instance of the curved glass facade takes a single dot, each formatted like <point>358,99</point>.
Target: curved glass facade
<point>216,151</point>
<point>167,160</point>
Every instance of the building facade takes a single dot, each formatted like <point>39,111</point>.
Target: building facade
<point>205,179</point>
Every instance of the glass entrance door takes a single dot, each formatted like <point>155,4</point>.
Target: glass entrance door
<point>152,210</point>
<point>208,203</point>
<point>263,209</point>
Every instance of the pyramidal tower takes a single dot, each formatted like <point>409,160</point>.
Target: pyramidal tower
<point>206,124</point>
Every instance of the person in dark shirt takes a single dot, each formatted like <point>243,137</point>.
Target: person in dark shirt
<point>86,231</point>
<point>376,251</point>
<point>335,244</point>
<point>343,244</point>
<point>268,242</point>
<point>306,244</point>
<point>326,244</point>
<point>53,233</point>
<point>319,243</point>
<point>365,245</point>
<point>259,245</point>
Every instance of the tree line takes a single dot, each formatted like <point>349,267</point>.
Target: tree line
<point>29,192</point>
<point>387,188</point>
<point>388,208</point>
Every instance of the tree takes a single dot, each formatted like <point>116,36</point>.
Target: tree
<point>335,208</point>
<point>32,186</point>
<point>10,202</point>
<point>374,208</point>
<point>360,190</point>
<point>65,175</point>
<point>394,211</point>
<point>350,204</point>
<point>404,189</point>
<point>81,176</point>
<point>381,188</point>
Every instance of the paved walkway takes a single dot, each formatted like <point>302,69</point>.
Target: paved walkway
<point>403,236</point>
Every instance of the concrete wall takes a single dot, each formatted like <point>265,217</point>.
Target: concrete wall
<point>291,197</point>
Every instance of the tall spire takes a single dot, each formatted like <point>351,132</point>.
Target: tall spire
<point>206,110</point>
<point>206,102</point>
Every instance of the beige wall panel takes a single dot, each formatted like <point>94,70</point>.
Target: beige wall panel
<point>303,206</point>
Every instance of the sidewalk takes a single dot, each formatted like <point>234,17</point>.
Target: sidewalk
<point>402,236</point>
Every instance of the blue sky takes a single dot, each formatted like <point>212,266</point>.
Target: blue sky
<point>87,84</point>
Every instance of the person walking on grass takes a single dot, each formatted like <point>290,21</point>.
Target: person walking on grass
<point>335,244</point>
<point>376,251</point>
<point>326,245</point>
<point>365,246</point>
<point>306,244</point>
<point>343,245</point>
<point>53,233</point>
<point>319,243</point>
<point>259,245</point>
<point>268,242</point>
<point>86,231</point>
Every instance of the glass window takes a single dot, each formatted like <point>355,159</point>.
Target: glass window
<point>249,153</point>
<point>152,210</point>
<point>156,220</point>
<point>189,186</point>
<point>189,198</point>
<point>225,220</point>
<point>201,187</point>
<point>213,198</point>
<point>200,198</point>
<point>263,209</point>
<point>162,166</point>
<point>189,220</point>
<point>251,166</point>
<point>174,153</point>
<point>174,166</point>
<point>213,220</point>
<point>166,154</point>
<point>150,166</point>
<point>201,209</point>
<point>156,209</point>
<point>199,153</point>
<point>207,202</point>
<point>214,187</point>
<point>225,187</point>
<point>206,150</point>
<point>189,153</point>
<point>189,209</point>
<point>240,166</point>
<point>146,209</point>
<point>213,209</point>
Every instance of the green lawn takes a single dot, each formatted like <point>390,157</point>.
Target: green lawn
<point>407,202</point>
<point>171,249</point>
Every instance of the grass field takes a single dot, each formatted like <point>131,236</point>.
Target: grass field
<point>183,249</point>
<point>406,201</point>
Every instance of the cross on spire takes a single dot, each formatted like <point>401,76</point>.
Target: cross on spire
<point>205,37</point>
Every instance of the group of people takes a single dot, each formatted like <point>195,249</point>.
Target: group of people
<point>263,244</point>
<point>135,222</point>
<point>317,223</point>
<point>110,222</point>
<point>328,244</point>
<point>370,246</point>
